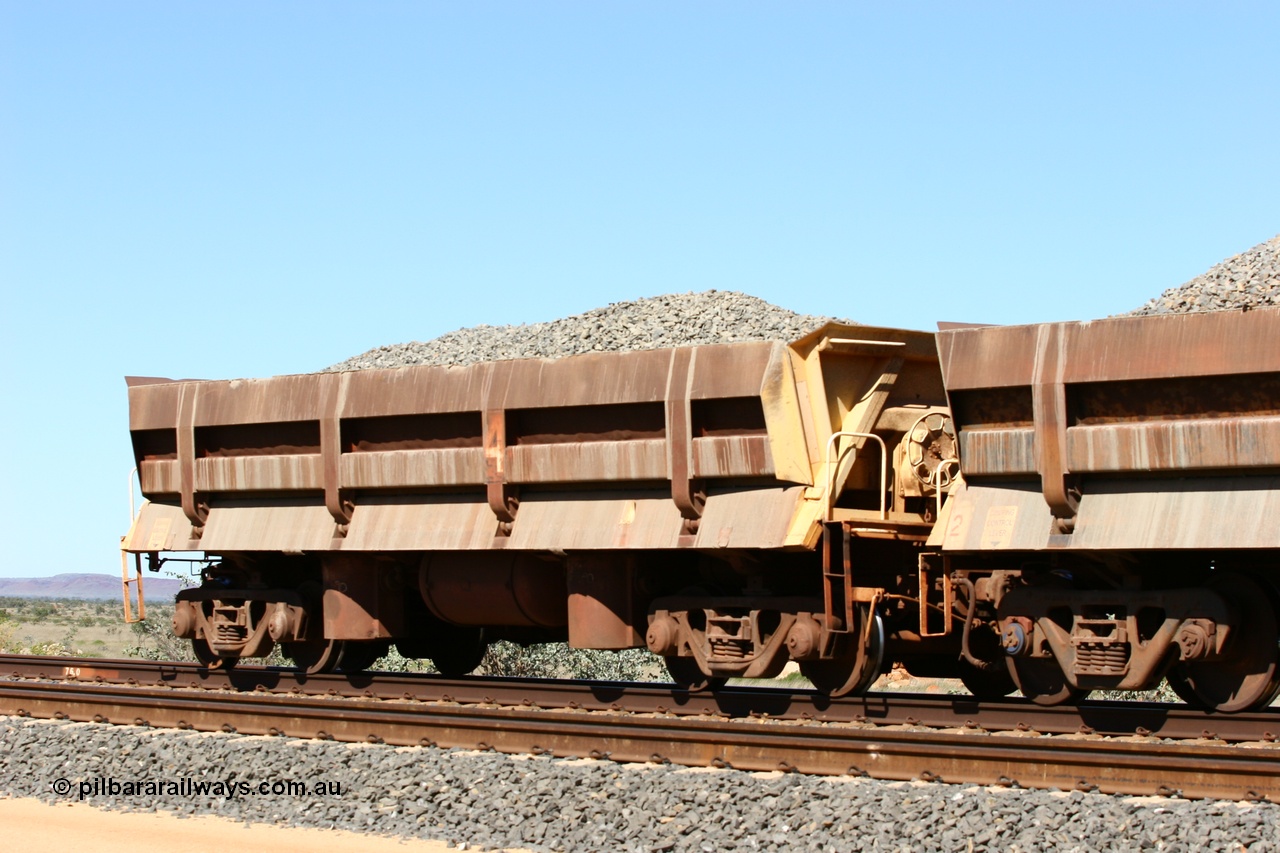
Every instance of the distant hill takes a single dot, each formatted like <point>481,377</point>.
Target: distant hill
<point>90,586</point>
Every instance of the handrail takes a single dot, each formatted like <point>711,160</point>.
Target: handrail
<point>884,471</point>
<point>938,487</point>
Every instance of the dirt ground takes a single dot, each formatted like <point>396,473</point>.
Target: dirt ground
<point>31,826</point>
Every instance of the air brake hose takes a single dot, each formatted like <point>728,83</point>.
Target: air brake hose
<point>971,590</point>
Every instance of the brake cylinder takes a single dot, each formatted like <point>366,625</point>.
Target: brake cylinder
<point>495,589</point>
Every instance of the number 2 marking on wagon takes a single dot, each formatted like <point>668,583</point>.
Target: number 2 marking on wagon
<point>957,529</point>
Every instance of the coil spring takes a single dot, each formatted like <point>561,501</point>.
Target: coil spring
<point>1102,658</point>
<point>728,648</point>
<point>231,633</point>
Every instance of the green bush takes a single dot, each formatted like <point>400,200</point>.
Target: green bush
<point>393,661</point>
<point>1163,693</point>
<point>557,660</point>
<point>154,639</point>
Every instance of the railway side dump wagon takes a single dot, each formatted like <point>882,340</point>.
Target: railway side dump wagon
<point>684,499</point>
<point>1116,523</point>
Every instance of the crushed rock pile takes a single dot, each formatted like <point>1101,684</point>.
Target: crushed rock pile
<point>494,801</point>
<point>1248,280</point>
<point>680,319</point>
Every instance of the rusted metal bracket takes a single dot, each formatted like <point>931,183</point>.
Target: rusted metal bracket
<point>688,493</point>
<point>336,500</point>
<point>1049,410</point>
<point>931,567</point>
<point>193,506</point>
<point>503,499</point>
<point>358,604</point>
<point>605,611</point>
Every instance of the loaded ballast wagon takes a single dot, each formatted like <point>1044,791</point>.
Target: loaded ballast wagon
<point>678,499</point>
<point>1116,523</point>
<point>1100,514</point>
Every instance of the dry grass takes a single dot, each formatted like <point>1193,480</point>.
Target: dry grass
<point>64,626</point>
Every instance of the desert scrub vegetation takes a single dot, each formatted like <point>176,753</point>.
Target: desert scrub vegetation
<point>153,640</point>
<point>557,660</point>
<point>58,626</point>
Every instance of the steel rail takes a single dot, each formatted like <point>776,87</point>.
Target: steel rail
<point>1145,766</point>
<point>934,711</point>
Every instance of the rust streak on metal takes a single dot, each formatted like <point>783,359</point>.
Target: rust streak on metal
<point>192,506</point>
<point>684,491</point>
<point>336,501</point>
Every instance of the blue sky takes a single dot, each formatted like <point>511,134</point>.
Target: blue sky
<point>246,189</point>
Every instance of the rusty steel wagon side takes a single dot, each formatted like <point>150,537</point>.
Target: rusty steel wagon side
<point>1099,515</point>
<point>684,499</point>
<point>1116,523</point>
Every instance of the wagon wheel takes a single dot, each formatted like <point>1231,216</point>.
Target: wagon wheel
<point>207,656</point>
<point>318,655</point>
<point>992,683</point>
<point>359,655</point>
<point>991,680</point>
<point>459,651</point>
<point>315,657</point>
<point>1247,677</point>
<point>850,673</point>
<point>687,675</point>
<point>1042,681</point>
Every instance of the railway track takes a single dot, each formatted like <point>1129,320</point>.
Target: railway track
<point>1130,748</point>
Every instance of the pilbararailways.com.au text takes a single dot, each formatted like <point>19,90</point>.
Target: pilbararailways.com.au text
<point>228,789</point>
